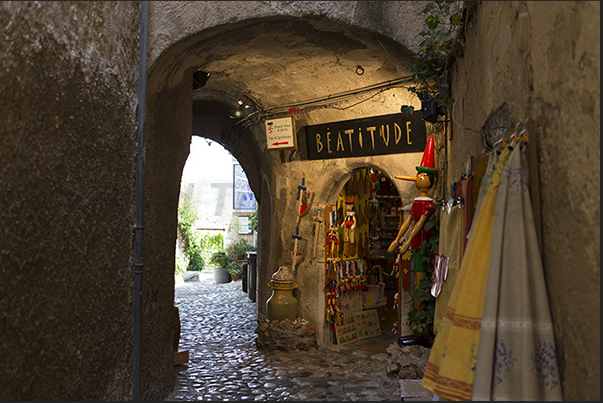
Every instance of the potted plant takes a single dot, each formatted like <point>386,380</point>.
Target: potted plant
<point>220,261</point>
<point>235,270</point>
<point>238,253</point>
<point>238,250</point>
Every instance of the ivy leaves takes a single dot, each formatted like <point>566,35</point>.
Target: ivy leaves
<point>420,317</point>
<point>430,66</point>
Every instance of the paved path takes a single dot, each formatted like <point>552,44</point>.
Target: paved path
<point>217,327</point>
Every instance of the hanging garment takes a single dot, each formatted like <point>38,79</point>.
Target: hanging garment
<point>516,357</point>
<point>483,187</point>
<point>481,169</point>
<point>467,196</point>
<point>450,245</point>
<point>450,369</point>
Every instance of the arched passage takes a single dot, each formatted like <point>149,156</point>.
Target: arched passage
<point>274,62</point>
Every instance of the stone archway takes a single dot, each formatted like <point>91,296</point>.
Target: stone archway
<point>329,52</point>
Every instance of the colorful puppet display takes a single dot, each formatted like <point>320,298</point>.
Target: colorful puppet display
<point>422,208</point>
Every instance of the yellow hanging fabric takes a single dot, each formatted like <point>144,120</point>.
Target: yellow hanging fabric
<point>451,245</point>
<point>451,366</point>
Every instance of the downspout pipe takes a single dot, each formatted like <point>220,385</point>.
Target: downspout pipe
<point>138,212</point>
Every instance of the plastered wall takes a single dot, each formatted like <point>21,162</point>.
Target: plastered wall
<point>68,85</point>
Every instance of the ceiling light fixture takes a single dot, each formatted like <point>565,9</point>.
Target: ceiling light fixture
<point>242,110</point>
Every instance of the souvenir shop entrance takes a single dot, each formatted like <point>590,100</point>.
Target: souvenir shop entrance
<point>362,283</point>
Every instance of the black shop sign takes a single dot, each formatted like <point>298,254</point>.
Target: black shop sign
<point>377,135</point>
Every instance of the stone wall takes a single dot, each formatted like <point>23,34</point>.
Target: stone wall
<point>541,60</point>
<point>285,335</point>
<point>407,362</point>
<point>69,85</point>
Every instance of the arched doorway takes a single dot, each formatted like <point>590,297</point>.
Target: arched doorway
<point>363,284</point>
<point>215,207</point>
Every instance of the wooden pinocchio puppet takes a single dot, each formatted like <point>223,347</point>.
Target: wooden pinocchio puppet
<point>349,228</point>
<point>422,208</point>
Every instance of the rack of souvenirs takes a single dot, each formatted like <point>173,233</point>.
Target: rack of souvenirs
<point>342,277</point>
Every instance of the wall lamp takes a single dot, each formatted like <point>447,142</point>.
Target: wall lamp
<point>200,79</point>
<point>429,109</point>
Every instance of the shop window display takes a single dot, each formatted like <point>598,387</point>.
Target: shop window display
<point>360,275</point>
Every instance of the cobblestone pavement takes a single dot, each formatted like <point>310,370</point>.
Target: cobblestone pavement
<point>217,328</point>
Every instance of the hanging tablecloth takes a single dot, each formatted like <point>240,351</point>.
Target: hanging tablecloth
<point>450,245</point>
<point>516,357</point>
<point>451,366</point>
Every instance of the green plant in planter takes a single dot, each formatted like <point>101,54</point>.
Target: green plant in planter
<point>238,250</point>
<point>433,56</point>
<point>234,269</point>
<point>422,303</point>
<point>420,318</point>
<point>220,259</point>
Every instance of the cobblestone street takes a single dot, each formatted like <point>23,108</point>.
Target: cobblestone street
<point>217,328</point>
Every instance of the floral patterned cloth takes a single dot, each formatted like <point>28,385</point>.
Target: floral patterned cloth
<point>516,357</point>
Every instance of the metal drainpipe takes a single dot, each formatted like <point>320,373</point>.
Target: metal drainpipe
<point>138,267</point>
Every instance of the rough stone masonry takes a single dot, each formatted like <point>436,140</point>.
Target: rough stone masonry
<point>285,335</point>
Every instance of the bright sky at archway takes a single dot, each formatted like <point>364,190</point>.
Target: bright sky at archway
<point>208,162</point>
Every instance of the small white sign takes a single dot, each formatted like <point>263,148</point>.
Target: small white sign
<point>280,133</point>
<point>244,227</point>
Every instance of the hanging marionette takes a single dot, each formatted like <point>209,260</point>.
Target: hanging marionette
<point>422,208</point>
<point>349,227</point>
<point>332,236</point>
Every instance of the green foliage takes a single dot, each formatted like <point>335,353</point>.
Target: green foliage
<point>210,244</point>
<point>233,268</point>
<point>238,250</point>
<point>220,259</point>
<point>430,246</point>
<point>420,317</point>
<point>430,67</point>
<point>179,266</point>
<point>188,240</point>
<point>253,221</point>
<point>196,262</point>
